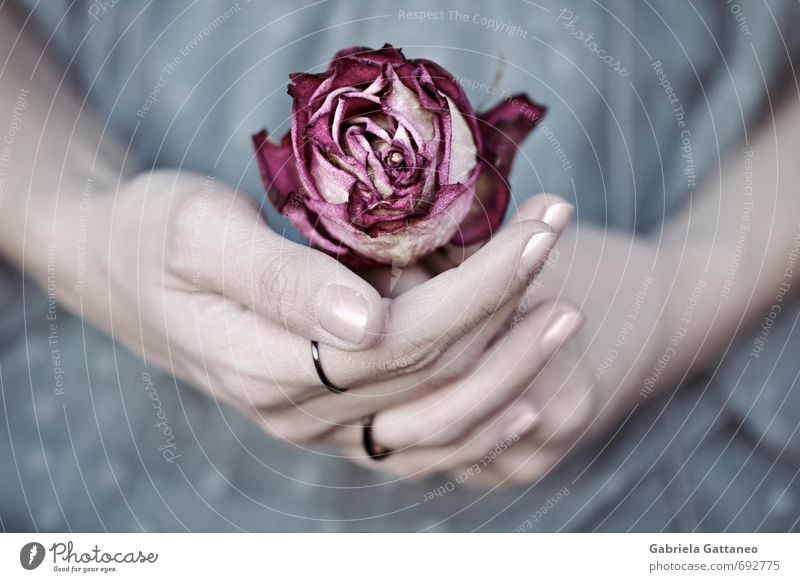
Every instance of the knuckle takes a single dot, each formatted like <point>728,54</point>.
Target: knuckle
<point>298,431</point>
<point>191,214</point>
<point>442,361</point>
<point>458,360</point>
<point>413,355</point>
<point>524,473</point>
<point>407,356</point>
<point>455,368</point>
<point>198,203</point>
<point>447,436</point>
<point>573,418</point>
<point>155,180</point>
<point>261,395</point>
<point>279,286</point>
<point>482,304</point>
<point>189,227</point>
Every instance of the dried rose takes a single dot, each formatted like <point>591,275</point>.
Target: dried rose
<point>387,161</point>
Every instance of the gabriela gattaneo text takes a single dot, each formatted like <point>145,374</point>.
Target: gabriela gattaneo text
<point>705,549</point>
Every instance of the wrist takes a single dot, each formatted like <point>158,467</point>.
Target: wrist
<point>63,250</point>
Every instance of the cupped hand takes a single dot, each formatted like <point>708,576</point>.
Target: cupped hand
<point>579,351</point>
<point>187,272</point>
<point>489,403</point>
<point>612,365</point>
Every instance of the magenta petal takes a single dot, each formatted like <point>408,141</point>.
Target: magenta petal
<point>401,242</point>
<point>309,226</point>
<point>386,54</point>
<point>491,198</point>
<point>306,89</point>
<point>278,168</point>
<point>505,127</point>
<point>445,83</point>
<point>502,130</point>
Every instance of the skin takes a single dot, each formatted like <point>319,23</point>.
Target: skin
<point>456,358</point>
<point>188,274</point>
<point>602,272</point>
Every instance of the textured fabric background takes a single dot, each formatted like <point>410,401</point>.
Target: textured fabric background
<point>714,455</point>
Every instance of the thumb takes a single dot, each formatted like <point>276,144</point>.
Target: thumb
<point>297,287</point>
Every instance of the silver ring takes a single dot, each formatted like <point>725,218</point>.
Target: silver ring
<point>321,373</point>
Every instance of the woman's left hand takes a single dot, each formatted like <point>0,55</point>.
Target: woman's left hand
<point>593,374</point>
<point>611,365</point>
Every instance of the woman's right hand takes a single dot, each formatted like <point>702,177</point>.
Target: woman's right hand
<point>186,272</point>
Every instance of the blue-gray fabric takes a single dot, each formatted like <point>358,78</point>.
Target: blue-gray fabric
<point>719,453</point>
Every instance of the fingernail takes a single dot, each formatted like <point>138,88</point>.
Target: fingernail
<point>524,419</point>
<point>560,331</point>
<point>535,250</point>
<point>557,215</point>
<point>344,313</point>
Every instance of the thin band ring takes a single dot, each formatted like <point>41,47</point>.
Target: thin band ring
<point>321,373</point>
<point>375,452</point>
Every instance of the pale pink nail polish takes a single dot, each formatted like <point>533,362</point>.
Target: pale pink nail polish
<point>344,313</point>
<point>525,418</point>
<point>560,330</point>
<point>535,251</point>
<point>557,215</point>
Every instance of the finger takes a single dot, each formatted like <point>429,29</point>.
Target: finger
<point>400,351</point>
<point>548,208</point>
<point>503,374</point>
<point>554,211</point>
<point>522,465</point>
<point>417,416</point>
<point>430,318</point>
<point>483,447</point>
<point>439,418</point>
<point>311,294</point>
<point>565,393</point>
<point>441,310</point>
<point>425,321</point>
<point>551,209</point>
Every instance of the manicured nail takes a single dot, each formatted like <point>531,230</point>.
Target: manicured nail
<point>524,418</point>
<point>344,313</point>
<point>557,215</point>
<point>535,251</point>
<point>560,330</point>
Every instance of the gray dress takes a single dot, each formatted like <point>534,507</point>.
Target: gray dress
<point>79,449</point>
